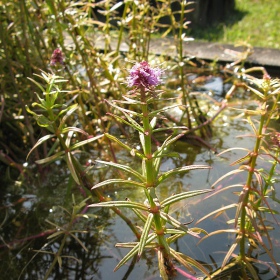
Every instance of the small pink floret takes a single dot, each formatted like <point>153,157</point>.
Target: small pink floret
<point>142,74</point>
<point>57,57</point>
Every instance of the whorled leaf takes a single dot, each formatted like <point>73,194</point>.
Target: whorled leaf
<point>132,252</point>
<point>39,142</point>
<point>118,181</point>
<point>128,204</point>
<point>51,158</point>
<point>179,170</point>
<point>115,139</point>
<point>145,234</point>
<point>124,168</point>
<point>180,196</point>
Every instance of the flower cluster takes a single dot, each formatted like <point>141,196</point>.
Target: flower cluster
<point>57,57</point>
<point>143,75</point>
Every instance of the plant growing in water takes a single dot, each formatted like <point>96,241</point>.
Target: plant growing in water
<point>250,226</point>
<point>159,229</point>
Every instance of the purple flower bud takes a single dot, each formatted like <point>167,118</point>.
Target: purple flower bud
<point>57,57</point>
<point>141,74</point>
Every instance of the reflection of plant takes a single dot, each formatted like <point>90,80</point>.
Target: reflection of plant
<point>153,213</point>
<point>250,226</point>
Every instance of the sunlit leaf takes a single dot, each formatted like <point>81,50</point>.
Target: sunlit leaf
<point>118,181</point>
<point>74,129</point>
<point>70,110</point>
<point>39,142</point>
<point>173,222</point>
<point>84,142</point>
<point>124,168</point>
<point>233,172</point>
<point>220,210</point>
<point>115,139</point>
<point>258,93</point>
<point>179,170</point>
<point>180,196</point>
<point>122,109</point>
<point>231,250</point>
<point>71,167</point>
<point>135,126</point>
<point>128,204</point>
<point>145,233</point>
<point>132,253</point>
<point>235,231</point>
<point>161,265</point>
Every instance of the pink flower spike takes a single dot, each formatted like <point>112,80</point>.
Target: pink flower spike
<point>57,57</point>
<point>142,74</point>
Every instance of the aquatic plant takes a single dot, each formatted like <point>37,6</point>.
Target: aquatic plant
<point>250,226</point>
<point>85,116</point>
<point>155,233</point>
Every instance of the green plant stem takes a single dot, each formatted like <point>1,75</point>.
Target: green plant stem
<point>150,175</point>
<point>186,98</point>
<point>248,186</point>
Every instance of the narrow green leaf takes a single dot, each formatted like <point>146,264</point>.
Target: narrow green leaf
<point>84,142</point>
<point>180,196</point>
<point>133,122</point>
<point>115,139</point>
<point>173,222</point>
<point>179,170</point>
<point>71,167</point>
<point>124,168</point>
<point>39,142</point>
<point>153,113</point>
<point>50,159</point>
<point>259,94</point>
<point>59,260</point>
<point>188,260</point>
<point>153,122</point>
<point>79,241</point>
<point>140,215</point>
<point>55,234</point>
<point>118,181</point>
<point>145,233</point>
<point>137,127</point>
<point>122,109</point>
<point>231,250</point>
<point>128,204</point>
<point>128,256</point>
<point>181,260</point>
<point>70,110</point>
<point>222,209</point>
<point>36,83</point>
<point>74,129</point>
<point>128,101</point>
<point>39,105</point>
<point>161,265</point>
<point>170,128</point>
<point>132,253</point>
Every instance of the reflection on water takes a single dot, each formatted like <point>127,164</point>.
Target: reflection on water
<point>26,253</point>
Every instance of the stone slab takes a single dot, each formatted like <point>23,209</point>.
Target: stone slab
<point>266,57</point>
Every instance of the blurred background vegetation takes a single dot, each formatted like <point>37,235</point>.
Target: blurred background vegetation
<point>253,21</point>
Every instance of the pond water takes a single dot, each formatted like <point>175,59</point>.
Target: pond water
<point>31,211</point>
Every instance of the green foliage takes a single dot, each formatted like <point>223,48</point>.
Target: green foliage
<point>83,97</point>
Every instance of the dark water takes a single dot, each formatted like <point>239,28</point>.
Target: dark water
<point>30,210</point>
